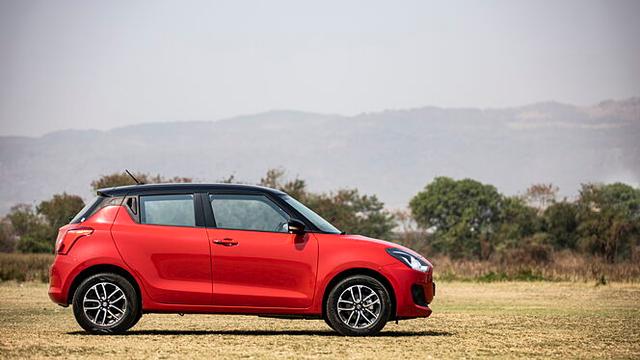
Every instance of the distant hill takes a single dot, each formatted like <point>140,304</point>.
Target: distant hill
<point>392,154</point>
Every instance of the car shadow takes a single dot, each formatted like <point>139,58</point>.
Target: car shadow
<point>268,333</point>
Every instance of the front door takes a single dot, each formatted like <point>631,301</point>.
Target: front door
<point>255,261</point>
<point>166,248</point>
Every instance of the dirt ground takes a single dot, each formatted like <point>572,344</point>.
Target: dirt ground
<point>525,319</point>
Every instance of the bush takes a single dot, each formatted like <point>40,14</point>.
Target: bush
<point>25,267</point>
<point>562,266</point>
<point>533,250</point>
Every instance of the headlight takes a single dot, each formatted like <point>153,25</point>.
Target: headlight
<point>408,259</point>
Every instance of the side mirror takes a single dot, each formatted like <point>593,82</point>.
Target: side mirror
<point>296,226</point>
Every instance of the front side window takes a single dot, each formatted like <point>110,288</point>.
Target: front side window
<point>248,212</point>
<point>176,210</point>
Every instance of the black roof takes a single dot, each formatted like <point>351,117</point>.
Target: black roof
<point>183,187</point>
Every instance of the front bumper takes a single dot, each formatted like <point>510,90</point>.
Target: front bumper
<point>414,290</point>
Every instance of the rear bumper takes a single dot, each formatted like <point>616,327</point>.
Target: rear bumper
<point>414,290</point>
<point>59,281</point>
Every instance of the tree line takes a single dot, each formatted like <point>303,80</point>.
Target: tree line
<point>464,219</point>
<point>469,219</point>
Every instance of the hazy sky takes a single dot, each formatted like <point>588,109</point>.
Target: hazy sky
<point>104,64</point>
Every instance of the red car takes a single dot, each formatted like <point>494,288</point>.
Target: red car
<point>228,249</point>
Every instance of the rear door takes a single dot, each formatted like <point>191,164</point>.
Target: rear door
<point>166,244</point>
<point>255,261</point>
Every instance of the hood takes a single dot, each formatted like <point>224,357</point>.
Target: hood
<point>384,244</point>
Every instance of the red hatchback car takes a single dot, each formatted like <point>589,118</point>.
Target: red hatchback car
<point>228,249</point>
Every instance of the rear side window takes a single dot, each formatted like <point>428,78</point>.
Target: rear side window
<point>248,212</point>
<point>94,206</point>
<point>86,210</point>
<point>176,210</point>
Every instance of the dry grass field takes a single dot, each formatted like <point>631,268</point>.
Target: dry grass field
<point>504,319</point>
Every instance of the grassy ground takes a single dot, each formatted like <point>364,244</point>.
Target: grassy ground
<point>506,319</point>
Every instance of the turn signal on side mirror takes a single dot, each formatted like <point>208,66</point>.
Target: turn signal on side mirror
<point>65,241</point>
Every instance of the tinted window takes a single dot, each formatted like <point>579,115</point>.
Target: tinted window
<point>87,210</point>
<point>174,210</point>
<point>94,206</point>
<point>248,212</point>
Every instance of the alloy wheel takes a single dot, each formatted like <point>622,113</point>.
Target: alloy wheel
<point>104,304</point>
<point>359,306</point>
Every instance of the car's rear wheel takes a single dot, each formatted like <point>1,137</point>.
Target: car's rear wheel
<point>106,304</point>
<point>359,305</point>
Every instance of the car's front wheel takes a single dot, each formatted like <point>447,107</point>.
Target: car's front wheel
<point>359,305</point>
<point>106,303</point>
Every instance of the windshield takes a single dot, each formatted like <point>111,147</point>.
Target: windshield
<point>316,219</point>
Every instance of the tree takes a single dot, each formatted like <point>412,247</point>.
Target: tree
<point>23,218</point>
<point>231,179</point>
<point>561,223</point>
<point>540,196</point>
<point>37,240</point>
<point>32,230</point>
<point>409,233</point>
<point>519,238</point>
<point>347,209</point>
<point>60,209</point>
<point>122,179</point>
<point>7,237</point>
<point>37,230</point>
<point>463,215</point>
<point>275,179</point>
<point>354,213</point>
<point>609,219</point>
<point>517,221</point>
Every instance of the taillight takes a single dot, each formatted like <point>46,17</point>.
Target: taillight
<point>66,240</point>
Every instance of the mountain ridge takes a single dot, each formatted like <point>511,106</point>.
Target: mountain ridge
<point>392,153</point>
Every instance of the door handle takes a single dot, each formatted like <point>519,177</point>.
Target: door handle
<point>225,242</point>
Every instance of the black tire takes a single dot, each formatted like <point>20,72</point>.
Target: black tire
<point>326,320</point>
<point>338,320</point>
<point>135,321</point>
<point>104,323</point>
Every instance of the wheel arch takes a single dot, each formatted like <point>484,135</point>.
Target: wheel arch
<point>359,271</point>
<point>103,268</point>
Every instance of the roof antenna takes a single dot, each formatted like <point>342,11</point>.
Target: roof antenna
<point>133,177</point>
